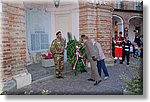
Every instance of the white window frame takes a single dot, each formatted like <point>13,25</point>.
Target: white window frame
<point>40,43</point>
<point>31,30</point>
<point>118,4</point>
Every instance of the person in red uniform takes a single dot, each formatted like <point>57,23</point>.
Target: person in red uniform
<point>118,47</point>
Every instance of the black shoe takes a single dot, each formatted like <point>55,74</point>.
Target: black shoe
<point>97,82</point>
<point>91,80</point>
<point>58,77</point>
<point>115,61</point>
<point>127,63</point>
<point>83,70</point>
<point>61,77</point>
<point>121,62</point>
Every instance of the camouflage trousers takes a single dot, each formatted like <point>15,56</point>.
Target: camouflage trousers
<point>59,63</point>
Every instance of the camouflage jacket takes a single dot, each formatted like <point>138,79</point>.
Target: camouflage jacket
<point>57,46</point>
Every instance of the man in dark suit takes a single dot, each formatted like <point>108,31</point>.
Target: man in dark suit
<point>92,57</point>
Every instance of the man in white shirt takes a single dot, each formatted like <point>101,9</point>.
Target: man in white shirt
<point>100,61</point>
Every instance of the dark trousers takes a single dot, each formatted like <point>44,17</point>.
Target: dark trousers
<point>127,55</point>
<point>101,64</point>
<point>141,55</point>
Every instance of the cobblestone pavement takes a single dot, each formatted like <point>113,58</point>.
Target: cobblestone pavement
<point>80,85</point>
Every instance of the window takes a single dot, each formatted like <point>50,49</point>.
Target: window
<point>39,41</point>
<point>118,4</point>
<point>38,29</point>
<point>138,5</point>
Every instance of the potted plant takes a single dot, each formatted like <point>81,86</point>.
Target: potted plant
<point>47,60</point>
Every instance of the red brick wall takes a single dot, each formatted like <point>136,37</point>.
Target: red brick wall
<point>13,43</point>
<point>104,35</point>
<point>126,16</point>
<point>128,5</point>
<point>96,22</point>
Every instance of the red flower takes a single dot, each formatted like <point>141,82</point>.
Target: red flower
<point>48,55</point>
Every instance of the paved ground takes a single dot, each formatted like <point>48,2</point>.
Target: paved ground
<point>38,72</point>
<point>79,84</point>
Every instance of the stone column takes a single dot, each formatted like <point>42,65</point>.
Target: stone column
<point>104,34</point>
<point>13,72</point>
<point>96,21</point>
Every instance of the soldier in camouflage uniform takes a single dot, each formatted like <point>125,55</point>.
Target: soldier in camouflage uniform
<point>57,48</point>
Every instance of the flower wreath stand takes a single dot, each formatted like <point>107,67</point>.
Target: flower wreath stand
<point>47,60</point>
<point>47,63</point>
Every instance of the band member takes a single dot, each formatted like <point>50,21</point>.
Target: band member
<point>118,47</point>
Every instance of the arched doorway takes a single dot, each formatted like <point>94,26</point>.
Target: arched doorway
<point>135,27</point>
<point>43,20</point>
<point>117,24</point>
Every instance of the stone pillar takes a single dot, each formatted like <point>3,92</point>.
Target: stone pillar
<point>126,23</point>
<point>104,35</point>
<point>87,19</point>
<point>96,21</point>
<point>13,72</point>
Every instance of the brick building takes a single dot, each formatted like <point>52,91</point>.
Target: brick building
<point>27,29</point>
<point>128,15</point>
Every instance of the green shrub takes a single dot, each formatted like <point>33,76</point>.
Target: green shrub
<point>135,85</point>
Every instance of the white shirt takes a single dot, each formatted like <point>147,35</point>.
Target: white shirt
<point>99,50</point>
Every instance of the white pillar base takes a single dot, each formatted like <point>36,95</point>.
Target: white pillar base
<point>23,80</point>
<point>1,87</point>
